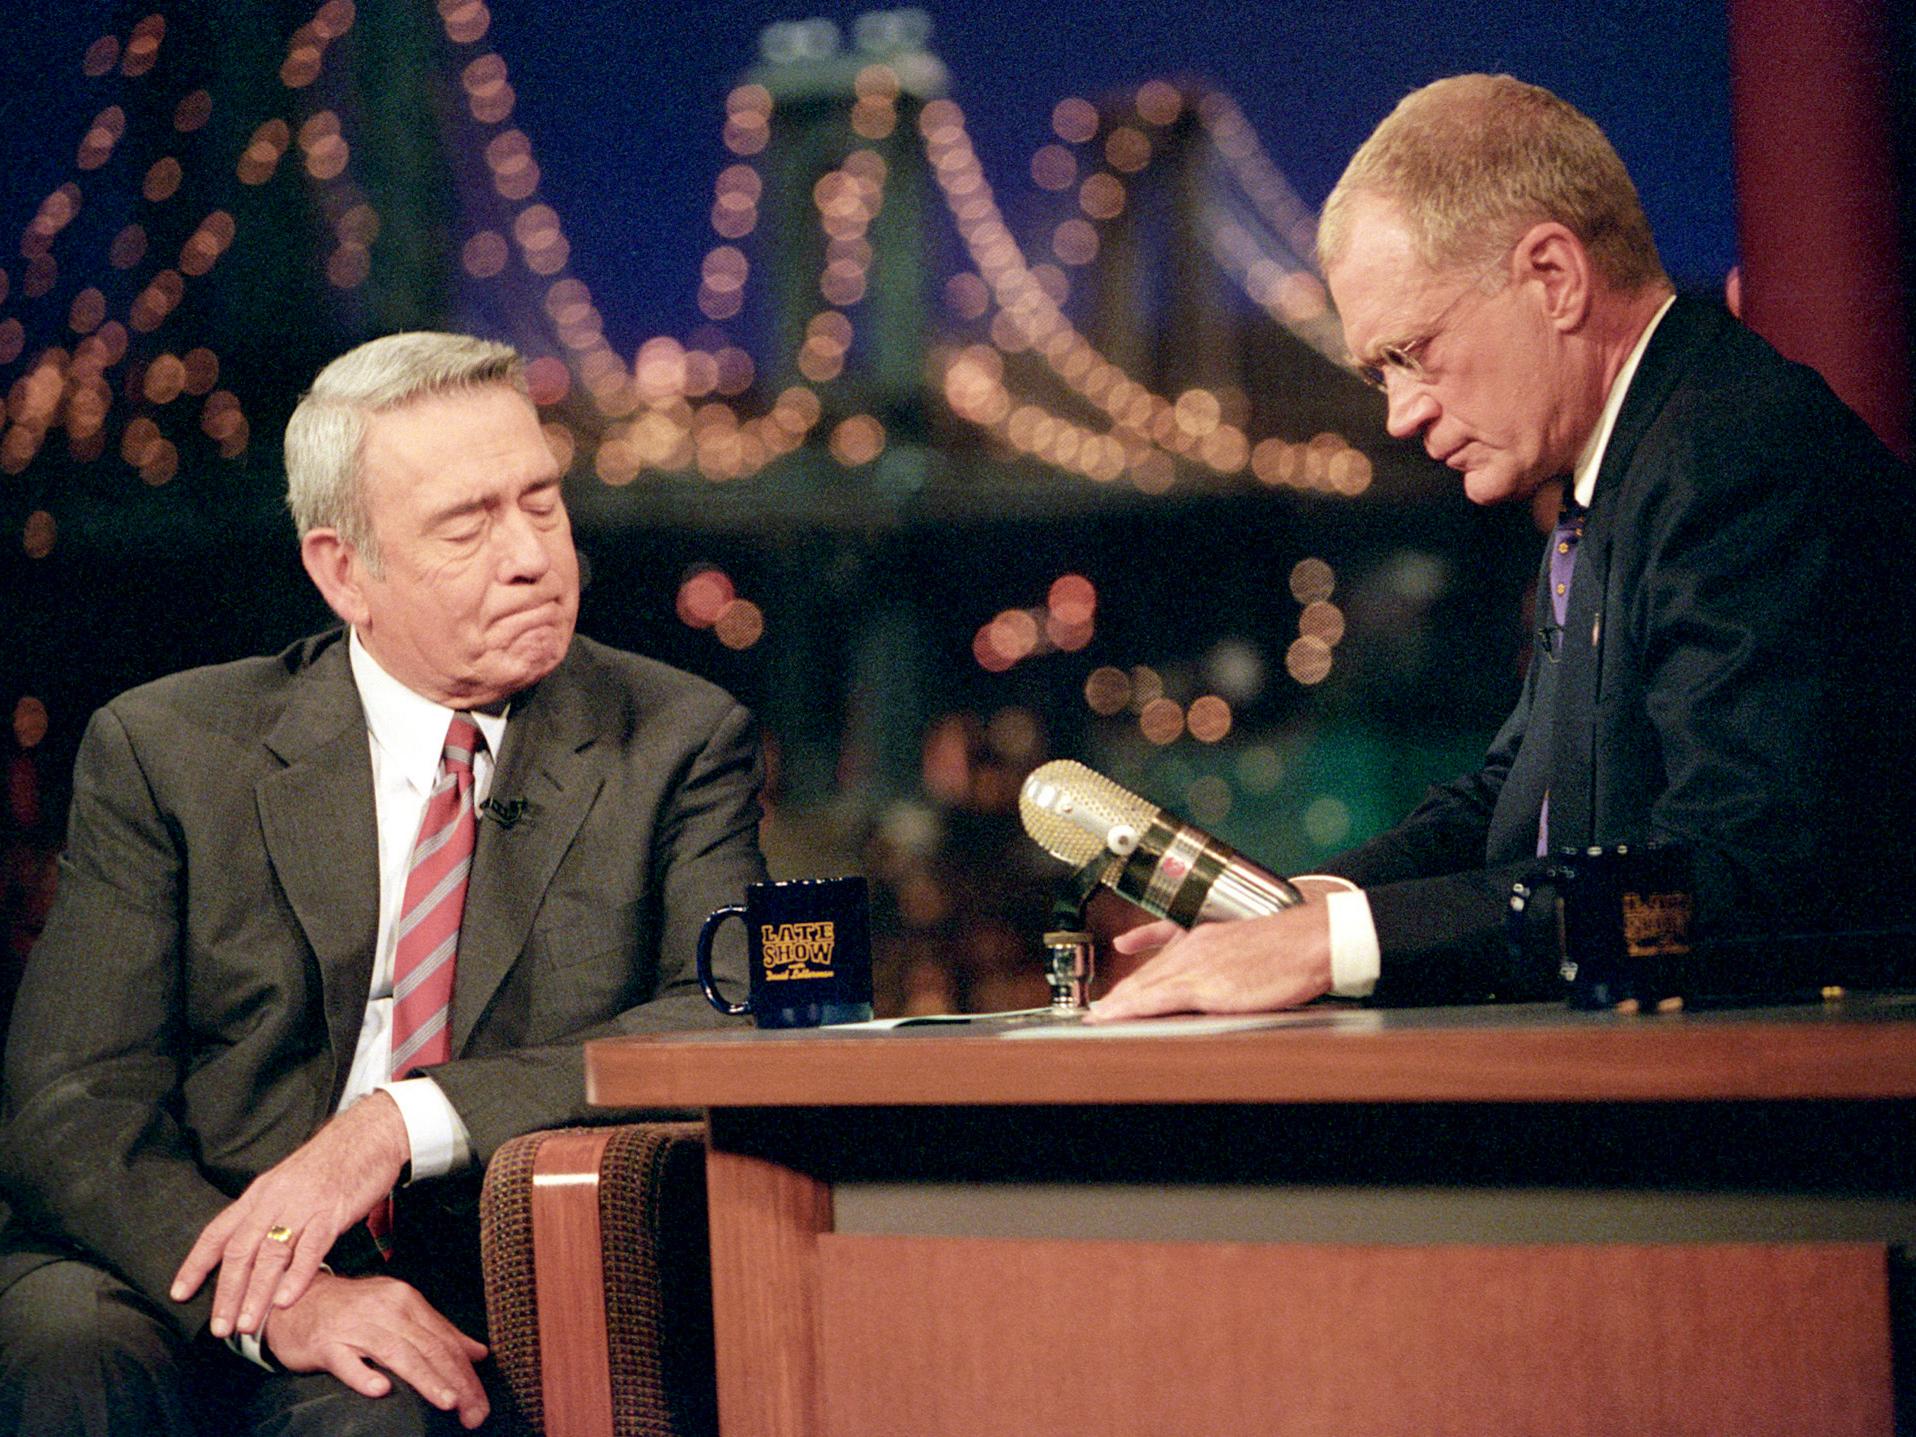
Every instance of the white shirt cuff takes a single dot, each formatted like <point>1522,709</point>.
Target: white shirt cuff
<point>252,1345</point>
<point>1355,958</point>
<point>249,1346</point>
<point>440,1142</point>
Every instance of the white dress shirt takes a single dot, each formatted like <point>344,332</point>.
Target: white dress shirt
<point>407,734</point>
<point>1355,957</point>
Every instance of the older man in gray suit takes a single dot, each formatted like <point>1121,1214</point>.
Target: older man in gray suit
<point>332,926</point>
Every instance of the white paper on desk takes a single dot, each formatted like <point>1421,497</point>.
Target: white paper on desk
<point>926,1020</point>
<point>1194,1025</point>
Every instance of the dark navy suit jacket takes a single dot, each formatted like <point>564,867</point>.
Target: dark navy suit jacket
<point>1734,673</point>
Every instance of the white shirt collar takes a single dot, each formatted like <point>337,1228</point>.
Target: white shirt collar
<point>1584,476</point>
<point>408,728</point>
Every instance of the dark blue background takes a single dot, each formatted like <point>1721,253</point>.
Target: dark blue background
<point>623,102</point>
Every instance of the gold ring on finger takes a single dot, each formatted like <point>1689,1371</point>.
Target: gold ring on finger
<point>279,1232</point>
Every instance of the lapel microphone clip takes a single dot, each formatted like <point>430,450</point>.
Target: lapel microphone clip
<point>504,811</point>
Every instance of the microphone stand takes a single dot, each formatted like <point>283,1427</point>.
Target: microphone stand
<point>1070,949</point>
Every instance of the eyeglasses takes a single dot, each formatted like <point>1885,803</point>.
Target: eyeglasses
<point>1405,358</point>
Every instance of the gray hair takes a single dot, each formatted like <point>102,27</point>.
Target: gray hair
<point>1473,161</point>
<point>325,483</point>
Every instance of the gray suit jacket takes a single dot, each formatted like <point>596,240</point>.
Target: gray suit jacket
<point>188,1019</point>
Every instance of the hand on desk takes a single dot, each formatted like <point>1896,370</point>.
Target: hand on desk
<point>1252,965</point>
<point>328,1184</point>
<point>343,1325</point>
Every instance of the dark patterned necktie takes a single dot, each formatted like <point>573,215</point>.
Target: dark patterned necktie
<point>1564,540</point>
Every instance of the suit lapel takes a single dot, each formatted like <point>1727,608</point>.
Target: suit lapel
<point>1513,821</point>
<point>1573,759</point>
<point>547,765</point>
<point>317,817</point>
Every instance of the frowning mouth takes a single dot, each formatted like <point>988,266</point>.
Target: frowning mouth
<point>545,612</point>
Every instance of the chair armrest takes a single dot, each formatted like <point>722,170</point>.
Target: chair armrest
<point>598,1279</point>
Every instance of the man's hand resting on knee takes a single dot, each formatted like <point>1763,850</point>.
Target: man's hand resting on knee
<point>345,1325</point>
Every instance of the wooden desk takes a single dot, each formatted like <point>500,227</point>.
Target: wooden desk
<point>1476,1221</point>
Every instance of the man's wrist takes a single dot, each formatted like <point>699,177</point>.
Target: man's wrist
<point>252,1345</point>
<point>1356,961</point>
<point>436,1138</point>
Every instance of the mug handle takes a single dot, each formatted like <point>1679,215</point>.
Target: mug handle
<point>1522,893</point>
<point>712,995</point>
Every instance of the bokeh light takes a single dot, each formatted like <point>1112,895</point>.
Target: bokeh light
<point>101,56</point>
<point>87,311</point>
<point>1075,241</point>
<point>30,722</point>
<point>1073,599</point>
<point>1312,580</point>
<point>1053,167</point>
<point>143,46</point>
<point>466,21</point>
<point>1016,735</point>
<point>1322,620</point>
<point>1208,800</point>
<point>1102,196</point>
<point>1260,768</point>
<point>162,180</point>
<point>741,625</point>
<point>37,535</point>
<point>1127,150</point>
<point>857,440</point>
<point>1161,721</point>
<point>1159,102</point>
<point>192,112</point>
<point>1074,120</point>
<point>1209,719</point>
<point>1107,691</point>
<point>1327,821</point>
<point>703,596</point>
<point>1146,686</point>
<point>1308,660</point>
<point>485,254</point>
<point>548,381</point>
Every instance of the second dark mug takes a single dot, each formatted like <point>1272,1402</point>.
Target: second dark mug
<point>808,942</point>
<point>1624,912</point>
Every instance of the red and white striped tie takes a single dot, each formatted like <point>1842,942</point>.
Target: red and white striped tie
<point>429,915</point>
<point>434,903</point>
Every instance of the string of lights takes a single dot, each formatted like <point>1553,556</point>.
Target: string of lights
<point>1290,219</point>
<point>505,212</point>
<point>1292,295</point>
<point>1147,432</point>
<point>656,420</point>
<point>70,389</point>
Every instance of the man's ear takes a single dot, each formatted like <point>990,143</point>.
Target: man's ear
<point>1553,258</point>
<point>335,568</point>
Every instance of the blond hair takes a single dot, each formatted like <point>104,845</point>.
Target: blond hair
<point>1471,162</point>
<point>325,485</point>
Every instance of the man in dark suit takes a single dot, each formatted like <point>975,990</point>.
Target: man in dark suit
<point>254,1028</point>
<point>1723,658</point>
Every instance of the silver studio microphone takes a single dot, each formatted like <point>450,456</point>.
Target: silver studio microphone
<point>1166,867</point>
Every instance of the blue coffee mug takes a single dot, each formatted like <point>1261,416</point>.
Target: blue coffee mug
<point>809,943</point>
